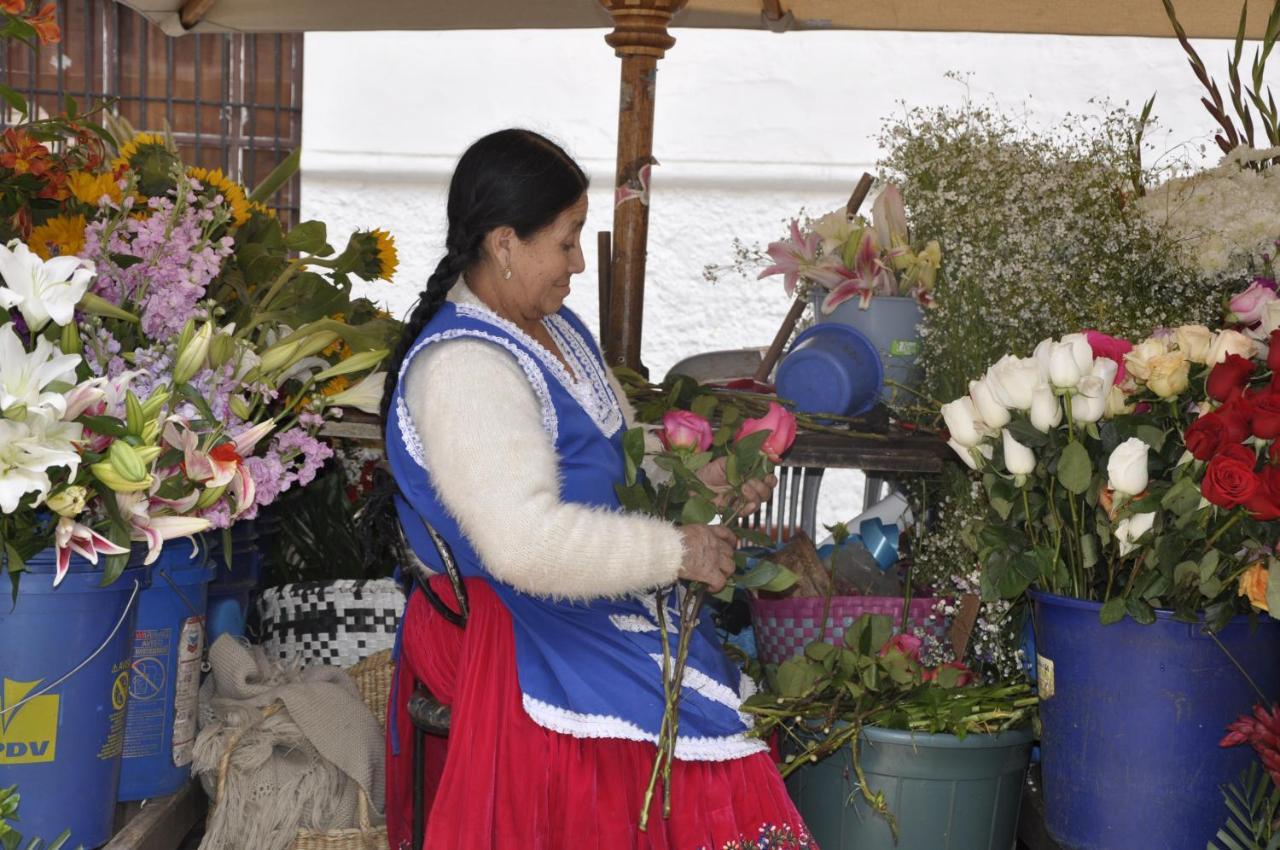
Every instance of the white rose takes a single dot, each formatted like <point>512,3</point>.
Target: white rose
<point>1046,412</point>
<point>1018,459</point>
<point>1139,359</point>
<point>1064,371</point>
<point>1013,379</point>
<point>1106,369</point>
<point>1117,403</point>
<point>963,422</point>
<point>1089,401</point>
<point>990,410</point>
<point>1127,467</point>
<point>1130,529</point>
<point>1230,342</point>
<point>1194,341</point>
<point>1042,355</point>
<point>965,453</point>
<point>1270,317</point>
<point>1081,350</point>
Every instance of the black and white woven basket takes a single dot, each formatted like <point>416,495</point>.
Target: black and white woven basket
<point>336,623</point>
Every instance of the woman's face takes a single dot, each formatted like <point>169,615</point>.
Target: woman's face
<point>541,267</point>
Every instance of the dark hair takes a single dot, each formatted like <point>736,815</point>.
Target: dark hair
<point>511,178</point>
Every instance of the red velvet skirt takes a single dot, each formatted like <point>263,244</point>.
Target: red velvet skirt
<point>502,782</point>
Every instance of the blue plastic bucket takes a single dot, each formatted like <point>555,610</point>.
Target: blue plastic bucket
<point>1131,719</point>
<point>64,686</point>
<point>233,584</point>
<point>168,648</point>
<point>831,368</point>
<point>890,323</point>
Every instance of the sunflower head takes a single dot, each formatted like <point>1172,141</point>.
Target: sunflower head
<point>88,188</point>
<point>214,183</point>
<point>147,155</point>
<point>371,254</point>
<point>60,236</point>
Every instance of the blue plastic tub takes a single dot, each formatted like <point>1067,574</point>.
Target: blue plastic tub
<point>890,323</point>
<point>831,368</point>
<point>1131,719</point>
<point>233,585</point>
<point>64,694</point>
<point>168,649</point>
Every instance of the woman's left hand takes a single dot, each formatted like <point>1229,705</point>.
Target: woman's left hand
<point>754,493</point>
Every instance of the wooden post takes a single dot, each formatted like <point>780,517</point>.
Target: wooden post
<point>604,266</point>
<point>640,39</point>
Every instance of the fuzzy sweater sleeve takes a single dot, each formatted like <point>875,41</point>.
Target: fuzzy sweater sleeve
<point>496,470</point>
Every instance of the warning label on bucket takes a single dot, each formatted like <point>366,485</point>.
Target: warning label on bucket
<point>114,745</point>
<point>148,694</point>
<point>28,732</point>
<point>186,692</point>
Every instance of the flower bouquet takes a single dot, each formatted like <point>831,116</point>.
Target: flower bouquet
<point>1141,476</point>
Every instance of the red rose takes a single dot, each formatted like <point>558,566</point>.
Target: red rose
<point>1210,433</point>
<point>1229,377</point>
<point>1243,454</point>
<point>1229,480</point>
<point>1264,504</point>
<point>1273,356</point>
<point>1265,421</point>
<point>1273,452</point>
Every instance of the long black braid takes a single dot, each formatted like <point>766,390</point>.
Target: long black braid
<point>511,178</point>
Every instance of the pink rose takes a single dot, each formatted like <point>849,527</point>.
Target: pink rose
<point>1247,306</point>
<point>966,675</point>
<point>1110,347</point>
<point>684,430</point>
<point>908,645</point>
<point>782,427</point>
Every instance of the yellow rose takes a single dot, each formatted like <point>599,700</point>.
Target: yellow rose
<point>1253,584</point>
<point>1194,341</point>
<point>1138,360</point>
<point>1168,374</point>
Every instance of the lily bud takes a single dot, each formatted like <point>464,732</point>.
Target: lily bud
<point>135,418</point>
<point>355,363</point>
<point>70,501</point>
<point>125,461</point>
<point>191,358</point>
<point>210,496</point>
<point>240,407</point>
<point>221,349</point>
<point>70,343</point>
<point>107,474</point>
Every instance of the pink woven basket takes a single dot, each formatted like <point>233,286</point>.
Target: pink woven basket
<point>784,627</point>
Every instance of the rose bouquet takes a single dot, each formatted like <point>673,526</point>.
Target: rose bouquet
<point>1141,476</point>
<point>682,486</point>
<point>850,257</point>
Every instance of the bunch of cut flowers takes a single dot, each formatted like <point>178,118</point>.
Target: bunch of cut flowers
<point>670,481</point>
<point>1140,475</point>
<point>849,257</point>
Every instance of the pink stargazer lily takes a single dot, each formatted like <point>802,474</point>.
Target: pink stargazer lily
<point>864,276</point>
<point>72,537</point>
<point>155,530</point>
<point>797,258</point>
<point>213,468</point>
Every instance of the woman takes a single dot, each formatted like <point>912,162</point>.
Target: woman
<point>504,434</point>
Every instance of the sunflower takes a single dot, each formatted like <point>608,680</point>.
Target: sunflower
<point>149,157</point>
<point>258,208</point>
<point>335,386</point>
<point>61,236</point>
<point>231,192</point>
<point>89,188</point>
<point>371,254</point>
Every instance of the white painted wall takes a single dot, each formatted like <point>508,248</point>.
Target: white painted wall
<point>750,127</point>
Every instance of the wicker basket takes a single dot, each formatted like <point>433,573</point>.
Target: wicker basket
<point>784,627</point>
<point>373,679</point>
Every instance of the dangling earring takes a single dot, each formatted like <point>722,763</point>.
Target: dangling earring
<point>506,273</point>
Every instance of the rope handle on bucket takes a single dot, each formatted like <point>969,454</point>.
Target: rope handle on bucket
<point>224,767</point>
<point>137,586</point>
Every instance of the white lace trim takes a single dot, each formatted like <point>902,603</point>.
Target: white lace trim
<point>409,432</point>
<point>591,389</point>
<point>632,623</point>
<point>718,693</point>
<point>579,725</point>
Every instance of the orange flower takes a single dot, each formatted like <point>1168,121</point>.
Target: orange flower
<point>13,7</point>
<point>22,154</point>
<point>1253,584</point>
<point>45,23</point>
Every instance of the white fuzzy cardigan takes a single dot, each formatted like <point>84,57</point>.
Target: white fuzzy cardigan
<point>496,470</point>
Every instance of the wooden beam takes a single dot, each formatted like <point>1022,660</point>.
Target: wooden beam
<point>640,39</point>
<point>163,823</point>
<point>193,12</point>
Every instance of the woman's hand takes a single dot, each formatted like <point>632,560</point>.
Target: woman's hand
<point>708,554</point>
<point>755,492</point>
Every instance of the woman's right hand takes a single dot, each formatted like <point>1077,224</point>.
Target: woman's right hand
<point>708,554</point>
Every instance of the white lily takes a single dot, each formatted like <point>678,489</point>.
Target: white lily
<point>42,289</point>
<point>28,450</point>
<point>365,396</point>
<point>24,377</point>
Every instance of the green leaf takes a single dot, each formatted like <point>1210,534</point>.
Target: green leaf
<point>1027,434</point>
<point>1183,497</point>
<point>16,101</point>
<point>309,237</point>
<point>797,676</point>
<point>697,511</point>
<point>1089,550</point>
<point>1209,564</point>
<point>1140,611</point>
<point>106,425</point>
<point>1075,469</point>
<point>704,406</point>
<point>1152,436</point>
<point>1186,573</point>
<point>1112,611</point>
<point>278,177</point>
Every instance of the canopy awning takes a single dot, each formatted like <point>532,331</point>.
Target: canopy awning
<point>1201,18</point>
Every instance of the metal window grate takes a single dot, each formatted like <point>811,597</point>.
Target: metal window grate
<point>232,102</point>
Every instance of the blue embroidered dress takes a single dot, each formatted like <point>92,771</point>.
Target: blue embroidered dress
<point>588,669</point>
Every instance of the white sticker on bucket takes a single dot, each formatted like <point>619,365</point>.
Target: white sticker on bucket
<point>190,648</point>
<point>1044,676</point>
